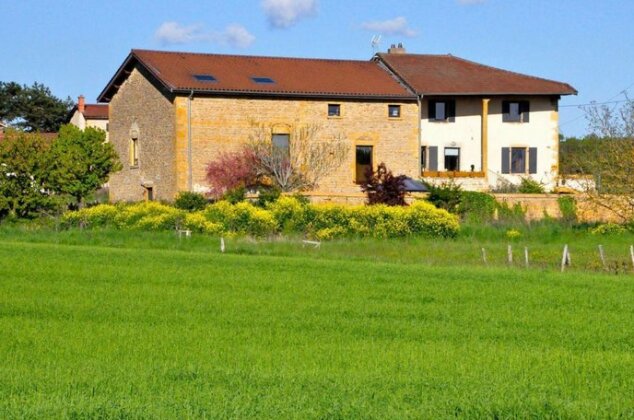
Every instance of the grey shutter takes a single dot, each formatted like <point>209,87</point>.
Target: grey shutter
<point>532,160</point>
<point>506,111</point>
<point>433,158</point>
<point>431,114</point>
<point>525,110</point>
<point>451,110</point>
<point>506,160</point>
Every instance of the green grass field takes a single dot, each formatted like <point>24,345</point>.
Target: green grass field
<point>136,325</point>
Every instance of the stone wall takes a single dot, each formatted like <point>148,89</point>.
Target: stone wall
<point>141,102</point>
<point>223,124</point>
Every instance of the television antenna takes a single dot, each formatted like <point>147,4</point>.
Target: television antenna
<point>375,42</point>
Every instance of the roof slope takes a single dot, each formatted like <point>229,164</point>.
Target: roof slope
<point>96,111</point>
<point>292,76</point>
<point>449,75</point>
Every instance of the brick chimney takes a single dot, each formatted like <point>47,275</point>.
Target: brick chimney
<point>397,49</point>
<point>81,104</point>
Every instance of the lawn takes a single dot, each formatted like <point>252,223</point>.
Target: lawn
<point>119,325</point>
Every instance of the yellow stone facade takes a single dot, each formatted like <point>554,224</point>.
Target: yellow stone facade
<point>221,124</point>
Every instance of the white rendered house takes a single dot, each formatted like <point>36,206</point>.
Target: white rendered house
<point>481,125</point>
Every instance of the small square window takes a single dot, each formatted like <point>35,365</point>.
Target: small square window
<point>394,111</point>
<point>334,110</point>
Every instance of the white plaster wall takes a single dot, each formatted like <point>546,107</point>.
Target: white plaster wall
<point>78,120</point>
<point>103,124</point>
<point>465,133</point>
<point>542,131</point>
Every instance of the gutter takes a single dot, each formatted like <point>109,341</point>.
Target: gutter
<point>189,142</point>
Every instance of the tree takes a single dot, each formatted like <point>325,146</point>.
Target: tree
<point>299,164</point>
<point>607,158</point>
<point>232,170</point>
<point>80,162</point>
<point>32,108</point>
<point>23,167</point>
<point>383,187</point>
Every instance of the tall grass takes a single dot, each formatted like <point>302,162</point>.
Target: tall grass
<point>103,324</point>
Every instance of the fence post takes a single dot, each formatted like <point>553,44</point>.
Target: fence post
<point>632,254</point>
<point>222,244</point>
<point>602,256</point>
<point>509,252</point>
<point>565,258</point>
<point>526,256</point>
<point>484,256</point>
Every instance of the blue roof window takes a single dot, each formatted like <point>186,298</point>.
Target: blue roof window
<point>204,78</point>
<point>263,80</point>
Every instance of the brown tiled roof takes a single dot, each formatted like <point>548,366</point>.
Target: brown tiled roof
<point>96,111</point>
<point>300,77</point>
<point>449,75</point>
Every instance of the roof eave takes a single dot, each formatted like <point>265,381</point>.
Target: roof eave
<point>307,95</point>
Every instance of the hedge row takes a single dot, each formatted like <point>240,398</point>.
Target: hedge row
<point>286,215</point>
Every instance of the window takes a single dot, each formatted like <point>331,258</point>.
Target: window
<point>204,78</point>
<point>515,111</point>
<point>518,160</point>
<point>423,157</point>
<point>134,153</point>
<point>442,110</point>
<point>394,111</point>
<point>334,110</point>
<point>281,143</point>
<point>363,163</point>
<point>263,80</point>
<point>452,158</point>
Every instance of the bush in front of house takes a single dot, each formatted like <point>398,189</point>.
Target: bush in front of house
<point>530,186</point>
<point>190,201</point>
<point>286,215</point>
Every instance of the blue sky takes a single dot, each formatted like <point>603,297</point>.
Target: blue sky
<point>74,47</point>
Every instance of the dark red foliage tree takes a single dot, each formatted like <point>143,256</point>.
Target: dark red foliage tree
<point>382,187</point>
<point>231,170</point>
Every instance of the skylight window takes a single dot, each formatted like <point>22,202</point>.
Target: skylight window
<point>204,78</point>
<point>263,80</point>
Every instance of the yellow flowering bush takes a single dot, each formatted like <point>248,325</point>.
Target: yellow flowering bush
<point>100,215</point>
<point>323,221</point>
<point>197,222</point>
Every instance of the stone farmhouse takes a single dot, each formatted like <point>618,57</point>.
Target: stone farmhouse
<point>89,115</point>
<point>171,113</point>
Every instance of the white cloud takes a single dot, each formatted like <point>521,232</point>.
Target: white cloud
<point>469,2</point>
<point>234,35</point>
<point>396,26</point>
<point>285,13</point>
<point>238,36</point>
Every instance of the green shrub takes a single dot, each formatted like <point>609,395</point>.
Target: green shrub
<point>476,207</point>
<point>530,186</point>
<point>235,195</point>
<point>568,208</point>
<point>243,218</point>
<point>515,214</point>
<point>608,229</point>
<point>445,196</point>
<point>267,195</point>
<point>190,201</point>
<point>96,216</point>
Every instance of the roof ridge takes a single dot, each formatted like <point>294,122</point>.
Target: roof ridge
<point>543,79</point>
<point>134,50</point>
